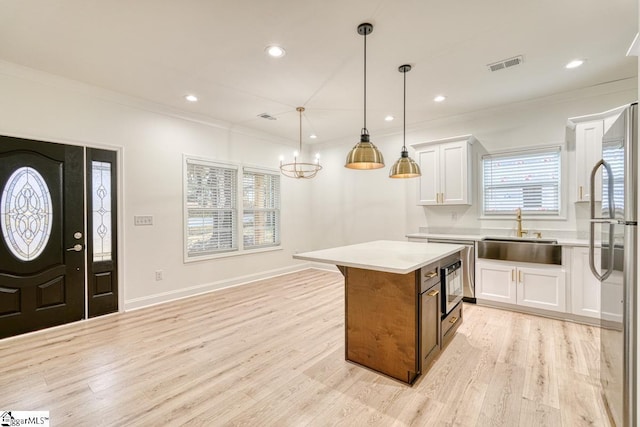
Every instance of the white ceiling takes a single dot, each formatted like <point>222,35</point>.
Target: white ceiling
<point>161,50</point>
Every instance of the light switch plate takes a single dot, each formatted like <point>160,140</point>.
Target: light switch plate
<point>143,220</point>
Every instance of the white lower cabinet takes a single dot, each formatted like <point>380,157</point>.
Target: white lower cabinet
<point>531,285</point>
<point>589,297</point>
<point>585,288</point>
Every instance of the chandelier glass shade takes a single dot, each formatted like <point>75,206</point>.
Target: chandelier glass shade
<point>405,166</point>
<point>296,169</point>
<point>364,155</point>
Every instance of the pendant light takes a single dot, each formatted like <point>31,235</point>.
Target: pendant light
<point>405,166</point>
<point>298,169</point>
<point>364,155</point>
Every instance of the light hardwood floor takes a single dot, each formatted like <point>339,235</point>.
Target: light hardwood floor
<point>272,353</point>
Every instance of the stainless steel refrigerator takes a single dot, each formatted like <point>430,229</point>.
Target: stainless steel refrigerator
<point>613,234</point>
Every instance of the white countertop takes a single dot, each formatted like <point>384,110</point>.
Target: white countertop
<point>561,240</point>
<point>383,255</point>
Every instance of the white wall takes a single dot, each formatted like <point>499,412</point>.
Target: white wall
<point>353,206</point>
<point>39,106</point>
<point>340,206</point>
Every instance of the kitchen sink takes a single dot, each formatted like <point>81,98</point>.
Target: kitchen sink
<point>539,251</point>
<point>520,240</point>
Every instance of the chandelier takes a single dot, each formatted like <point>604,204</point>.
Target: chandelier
<point>298,169</point>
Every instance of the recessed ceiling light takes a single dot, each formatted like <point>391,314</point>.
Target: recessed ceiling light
<point>313,136</point>
<point>575,63</point>
<point>389,118</point>
<point>439,98</point>
<point>275,51</point>
<point>191,98</point>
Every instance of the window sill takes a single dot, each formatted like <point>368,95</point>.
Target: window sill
<point>524,218</point>
<point>232,254</point>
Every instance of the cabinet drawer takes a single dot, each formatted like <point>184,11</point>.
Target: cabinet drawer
<point>451,323</point>
<point>429,276</point>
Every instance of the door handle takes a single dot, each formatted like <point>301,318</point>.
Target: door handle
<point>592,225</point>
<point>513,275</point>
<point>433,293</point>
<point>75,248</point>
<point>520,276</point>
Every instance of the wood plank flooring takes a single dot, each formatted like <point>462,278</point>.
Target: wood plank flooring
<point>271,353</point>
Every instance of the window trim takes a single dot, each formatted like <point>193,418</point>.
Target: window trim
<point>562,193</point>
<point>240,168</point>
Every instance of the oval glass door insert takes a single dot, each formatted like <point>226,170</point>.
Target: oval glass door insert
<point>26,213</point>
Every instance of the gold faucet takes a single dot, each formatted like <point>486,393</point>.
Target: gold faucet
<point>520,232</point>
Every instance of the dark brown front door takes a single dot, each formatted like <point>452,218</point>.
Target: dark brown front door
<point>42,238</point>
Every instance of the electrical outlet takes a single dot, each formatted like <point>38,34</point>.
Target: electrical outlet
<point>143,220</point>
<point>158,275</point>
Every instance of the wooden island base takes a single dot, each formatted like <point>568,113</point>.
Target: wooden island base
<point>393,317</point>
<point>393,321</point>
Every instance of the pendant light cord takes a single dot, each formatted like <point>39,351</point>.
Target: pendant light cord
<point>300,132</point>
<point>365,84</point>
<point>404,113</point>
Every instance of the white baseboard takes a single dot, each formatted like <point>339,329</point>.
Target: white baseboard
<point>146,301</point>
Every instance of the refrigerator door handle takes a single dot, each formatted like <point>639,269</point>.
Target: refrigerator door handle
<point>592,261</point>
<point>594,220</point>
<point>592,189</point>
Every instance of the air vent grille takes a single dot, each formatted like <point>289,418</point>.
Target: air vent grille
<point>506,63</point>
<point>267,116</point>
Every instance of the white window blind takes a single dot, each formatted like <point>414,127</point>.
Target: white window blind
<point>211,208</point>
<point>261,209</point>
<point>529,180</point>
<point>613,154</point>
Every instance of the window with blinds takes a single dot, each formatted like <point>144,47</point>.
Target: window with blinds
<point>613,154</point>
<point>529,180</point>
<point>261,209</point>
<point>211,208</point>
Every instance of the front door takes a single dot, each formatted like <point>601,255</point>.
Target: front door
<point>42,240</point>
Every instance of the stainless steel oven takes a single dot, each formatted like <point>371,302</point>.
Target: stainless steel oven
<point>468,256</point>
<point>451,281</point>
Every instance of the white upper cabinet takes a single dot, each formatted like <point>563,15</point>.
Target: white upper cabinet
<point>447,167</point>
<point>589,132</point>
<point>588,152</point>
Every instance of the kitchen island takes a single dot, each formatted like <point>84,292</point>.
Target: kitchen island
<point>393,321</point>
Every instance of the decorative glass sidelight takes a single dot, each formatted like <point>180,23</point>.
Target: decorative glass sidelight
<point>26,213</point>
<point>101,203</point>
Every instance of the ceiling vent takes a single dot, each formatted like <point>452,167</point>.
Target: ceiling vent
<point>267,116</point>
<point>506,63</point>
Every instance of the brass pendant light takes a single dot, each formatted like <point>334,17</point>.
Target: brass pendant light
<point>405,166</point>
<point>364,155</point>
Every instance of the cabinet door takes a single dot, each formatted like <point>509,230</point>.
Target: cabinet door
<point>588,152</point>
<point>429,187</point>
<point>585,288</point>
<point>429,326</point>
<point>454,173</point>
<point>542,287</point>
<point>495,281</point>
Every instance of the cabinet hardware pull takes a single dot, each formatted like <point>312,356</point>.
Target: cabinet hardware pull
<point>581,192</point>
<point>442,198</point>
<point>437,197</point>
<point>431,275</point>
<point>453,320</point>
<point>520,276</point>
<point>433,293</point>
<point>513,275</point>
